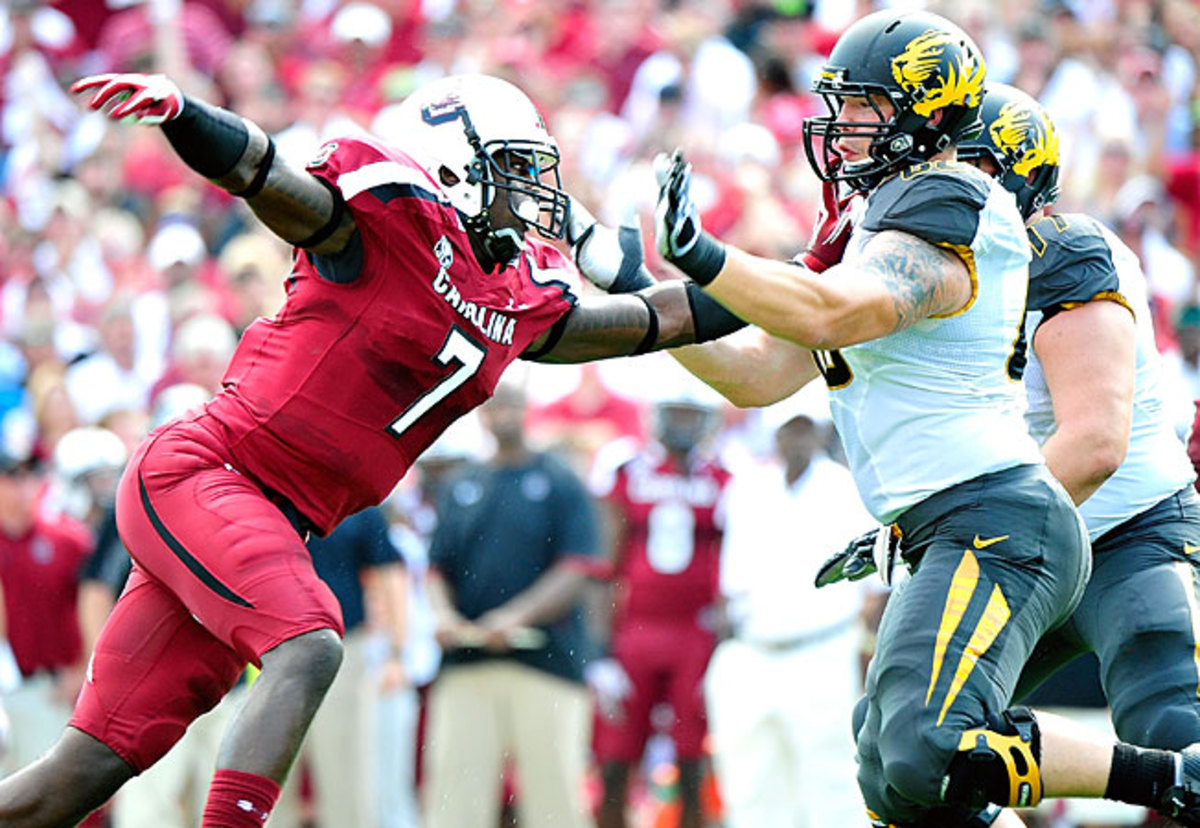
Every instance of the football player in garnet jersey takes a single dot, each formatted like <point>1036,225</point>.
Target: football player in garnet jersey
<point>916,327</point>
<point>415,282</point>
<point>665,502</point>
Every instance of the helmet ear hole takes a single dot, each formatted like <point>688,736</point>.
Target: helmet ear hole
<point>447,176</point>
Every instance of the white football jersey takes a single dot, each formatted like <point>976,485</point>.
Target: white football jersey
<point>1077,259</point>
<point>940,402</point>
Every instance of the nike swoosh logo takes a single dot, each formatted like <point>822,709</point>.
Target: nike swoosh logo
<point>1188,549</point>
<point>979,543</point>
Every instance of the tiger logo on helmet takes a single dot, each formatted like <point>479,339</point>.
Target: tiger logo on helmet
<point>937,75</point>
<point>1016,131</point>
<point>1021,144</point>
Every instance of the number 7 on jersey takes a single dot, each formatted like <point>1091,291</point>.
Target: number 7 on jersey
<point>458,350</point>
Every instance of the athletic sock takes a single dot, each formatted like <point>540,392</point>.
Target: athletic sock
<point>238,799</point>
<point>1140,776</point>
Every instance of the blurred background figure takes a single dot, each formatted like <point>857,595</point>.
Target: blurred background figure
<point>782,686</point>
<point>413,515</point>
<point>41,551</point>
<point>366,573</point>
<point>516,539</point>
<point>665,516</point>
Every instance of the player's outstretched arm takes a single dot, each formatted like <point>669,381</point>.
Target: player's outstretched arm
<point>232,152</point>
<point>896,280</point>
<point>746,365</point>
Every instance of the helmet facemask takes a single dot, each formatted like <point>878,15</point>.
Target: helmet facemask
<point>519,169</point>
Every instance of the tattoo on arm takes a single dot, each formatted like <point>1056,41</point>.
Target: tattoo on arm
<point>924,280</point>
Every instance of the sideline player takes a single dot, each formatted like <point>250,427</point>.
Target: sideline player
<point>665,502</point>
<point>1097,406</point>
<point>918,335</point>
<point>414,284</point>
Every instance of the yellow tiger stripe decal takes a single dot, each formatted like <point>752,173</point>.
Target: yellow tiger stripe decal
<point>995,616</point>
<point>962,587</point>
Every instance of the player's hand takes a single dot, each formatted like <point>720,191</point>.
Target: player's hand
<point>610,686</point>
<point>872,551</point>
<point>681,239</point>
<point>676,219</point>
<point>831,230</point>
<point>854,562</point>
<point>149,100</point>
<point>612,260</point>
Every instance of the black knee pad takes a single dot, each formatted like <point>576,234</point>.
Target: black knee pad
<point>1170,728</point>
<point>998,764</point>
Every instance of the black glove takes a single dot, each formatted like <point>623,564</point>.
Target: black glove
<point>852,563</point>
<point>872,551</point>
<point>681,239</point>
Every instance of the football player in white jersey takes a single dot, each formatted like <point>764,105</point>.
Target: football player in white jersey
<point>919,335</point>
<point>1096,405</point>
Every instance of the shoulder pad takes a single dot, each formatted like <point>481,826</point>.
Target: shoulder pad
<point>1072,262</point>
<point>356,164</point>
<point>937,201</point>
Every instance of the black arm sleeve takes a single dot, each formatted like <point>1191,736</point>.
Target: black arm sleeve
<point>710,318</point>
<point>209,139</point>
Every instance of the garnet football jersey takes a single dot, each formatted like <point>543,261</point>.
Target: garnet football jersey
<point>376,352</point>
<point>39,574</point>
<point>669,561</point>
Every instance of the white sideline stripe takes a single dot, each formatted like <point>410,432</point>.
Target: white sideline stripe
<point>381,172</point>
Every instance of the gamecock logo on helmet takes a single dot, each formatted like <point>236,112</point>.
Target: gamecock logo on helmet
<point>937,75</point>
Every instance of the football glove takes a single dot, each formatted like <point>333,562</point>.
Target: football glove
<point>872,551</point>
<point>830,232</point>
<point>149,100</point>
<point>680,237</point>
<point>612,260</point>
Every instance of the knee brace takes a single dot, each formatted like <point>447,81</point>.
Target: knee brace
<point>997,764</point>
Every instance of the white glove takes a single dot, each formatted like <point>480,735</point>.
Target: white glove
<point>612,260</point>
<point>610,686</point>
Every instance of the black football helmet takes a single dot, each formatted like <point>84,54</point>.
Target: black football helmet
<point>924,65</point>
<point>1019,137</point>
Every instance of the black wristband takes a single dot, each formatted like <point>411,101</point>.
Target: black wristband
<point>335,219</point>
<point>207,138</point>
<point>632,280</point>
<point>704,261</point>
<point>710,319</point>
<point>651,337</point>
<point>260,177</point>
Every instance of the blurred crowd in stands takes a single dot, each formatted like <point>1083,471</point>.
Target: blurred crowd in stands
<point>125,280</point>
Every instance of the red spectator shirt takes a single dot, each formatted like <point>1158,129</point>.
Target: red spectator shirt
<point>39,573</point>
<point>668,561</point>
<point>332,400</point>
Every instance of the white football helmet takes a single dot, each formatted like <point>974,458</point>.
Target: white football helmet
<point>489,136</point>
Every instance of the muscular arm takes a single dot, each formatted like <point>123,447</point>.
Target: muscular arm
<point>292,204</point>
<point>897,281</point>
<point>748,367</point>
<point>609,326</point>
<point>1088,358</point>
